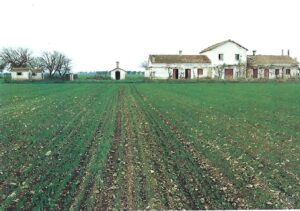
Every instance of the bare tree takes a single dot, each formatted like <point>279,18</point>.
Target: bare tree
<point>282,72</point>
<point>35,62</point>
<point>220,70</point>
<point>181,75</point>
<point>66,67</point>
<point>241,70</point>
<point>55,62</point>
<point>144,65</point>
<point>2,65</point>
<point>170,72</point>
<point>151,74</point>
<point>19,57</point>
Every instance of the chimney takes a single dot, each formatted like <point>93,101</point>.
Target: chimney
<point>288,52</point>
<point>180,52</point>
<point>117,64</point>
<point>254,52</point>
<point>282,52</point>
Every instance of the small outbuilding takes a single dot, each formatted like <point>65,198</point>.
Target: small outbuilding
<point>69,77</point>
<point>20,73</point>
<point>37,74</point>
<point>25,73</point>
<point>118,73</point>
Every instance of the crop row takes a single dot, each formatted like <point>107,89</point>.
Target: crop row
<point>233,147</point>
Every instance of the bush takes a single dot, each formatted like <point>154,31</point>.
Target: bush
<point>7,77</point>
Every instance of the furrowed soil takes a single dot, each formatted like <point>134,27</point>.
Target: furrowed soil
<point>154,145</point>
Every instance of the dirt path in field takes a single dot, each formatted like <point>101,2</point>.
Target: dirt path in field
<point>164,167</point>
<point>127,194</point>
<point>107,194</point>
<point>169,186</point>
<point>139,163</point>
<point>150,164</point>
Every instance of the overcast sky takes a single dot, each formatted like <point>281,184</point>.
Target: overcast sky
<point>96,33</point>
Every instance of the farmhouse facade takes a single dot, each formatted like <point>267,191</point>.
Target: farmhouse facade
<point>178,66</point>
<point>272,66</point>
<point>229,59</point>
<point>225,60</point>
<point>24,73</point>
<point>118,73</point>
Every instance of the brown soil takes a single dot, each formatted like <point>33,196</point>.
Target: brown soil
<point>106,197</point>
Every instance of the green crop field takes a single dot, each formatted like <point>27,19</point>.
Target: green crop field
<point>149,145</point>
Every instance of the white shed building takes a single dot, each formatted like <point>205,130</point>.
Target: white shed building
<point>37,74</point>
<point>118,73</point>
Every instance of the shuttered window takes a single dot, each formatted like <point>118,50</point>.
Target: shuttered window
<point>200,72</point>
<point>221,57</point>
<point>237,57</point>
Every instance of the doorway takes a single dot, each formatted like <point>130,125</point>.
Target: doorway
<point>255,73</point>
<point>118,75</point>
<point>266,73</point>
<point>188,73</point>
<point>175,73</point>
<point>228,74</point>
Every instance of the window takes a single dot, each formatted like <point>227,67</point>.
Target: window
<point>277,72</point>
<point>237,57</point>
<point>19,73</point>
<point>221,57</point>
<point>33,74</point>
<point>287,71</point>
<point>200,72</point>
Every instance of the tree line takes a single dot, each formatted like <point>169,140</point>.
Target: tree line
<point>52,61</point>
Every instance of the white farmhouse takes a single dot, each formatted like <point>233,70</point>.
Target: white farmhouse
<point>25,73</point>
<point>178,66</point>
<point>228,59</point>
<point>272,66</point>
<point>118,73</point>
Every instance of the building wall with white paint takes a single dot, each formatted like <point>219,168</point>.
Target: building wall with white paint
<point>37,76</point>
<point>282,73</point>
<point>226,55</point>
<point>165,71</point>
<point>229,51</point>
<point>114,73</point>
<point>22,75</point>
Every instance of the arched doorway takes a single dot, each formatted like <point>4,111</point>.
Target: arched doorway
<point>118,75</point>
